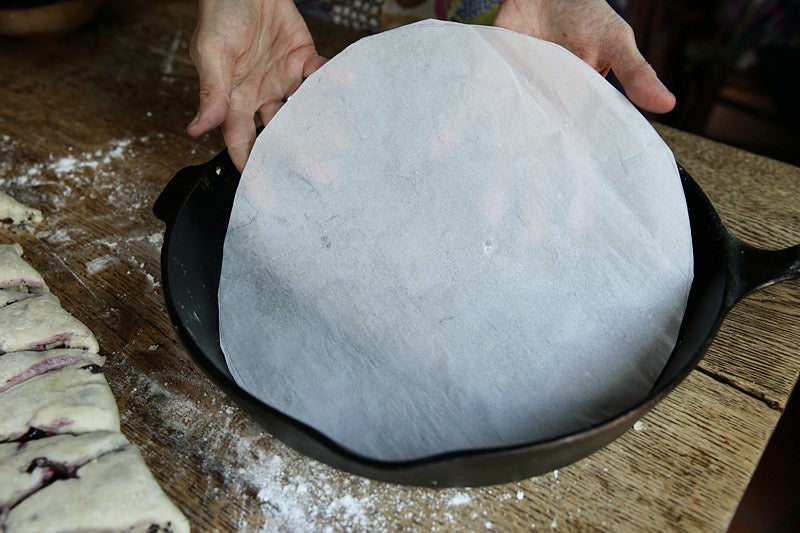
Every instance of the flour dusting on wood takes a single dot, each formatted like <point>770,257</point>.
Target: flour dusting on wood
<point>99,184</point>
<point>295,493</point>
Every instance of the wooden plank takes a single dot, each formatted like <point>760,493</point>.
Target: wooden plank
<point>685,466</point>
<point>759,199</point>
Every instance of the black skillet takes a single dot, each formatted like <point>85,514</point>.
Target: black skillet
<point>196,206</point>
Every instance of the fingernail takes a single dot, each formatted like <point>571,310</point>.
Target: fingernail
<point>195,119</point>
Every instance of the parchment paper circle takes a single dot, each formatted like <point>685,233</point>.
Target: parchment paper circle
<point>454,237</point>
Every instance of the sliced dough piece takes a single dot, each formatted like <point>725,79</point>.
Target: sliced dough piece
<point>14,294</point>
<point>16,367</point>
<point>26,468</point>
<point>115,492</point>
<point>41,323</point>
<point>18,280</point>
<point>68,400</point>
<point>15,271</point>
<point>14,213</point>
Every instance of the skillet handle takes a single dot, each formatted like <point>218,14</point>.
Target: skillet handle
<point>751,268</point>
<point>177,191</point>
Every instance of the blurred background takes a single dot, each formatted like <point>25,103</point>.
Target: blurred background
<point>733,66</point>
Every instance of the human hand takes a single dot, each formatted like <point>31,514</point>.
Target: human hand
<point>591,30</point>
<point>250,56</point>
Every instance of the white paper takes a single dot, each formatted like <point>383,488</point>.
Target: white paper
<point>454,237</point>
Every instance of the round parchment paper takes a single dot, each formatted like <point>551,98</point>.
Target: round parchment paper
<point>454,237</point>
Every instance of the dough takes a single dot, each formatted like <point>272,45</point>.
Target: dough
<point>16,272</point>
<point>114,492</point>
<point>58,407</point>
<point>13,213</point>
<point>41,323</point>
<point>16,367</point>
<point>25,469</point>
<point>18,280</point>
<point>67,400</point>
<point>13,294</point>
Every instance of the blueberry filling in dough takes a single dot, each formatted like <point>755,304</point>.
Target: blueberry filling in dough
<point>41,323</point>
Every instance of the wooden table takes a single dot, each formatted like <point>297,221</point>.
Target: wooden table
<point>92,128</point>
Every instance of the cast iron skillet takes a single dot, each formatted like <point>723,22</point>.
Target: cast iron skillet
<point>196,206</point>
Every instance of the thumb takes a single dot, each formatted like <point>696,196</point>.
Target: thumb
<point>639,80</point>
<point>215,72</point>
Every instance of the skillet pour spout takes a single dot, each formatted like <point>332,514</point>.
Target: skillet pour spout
<point>196,207</point>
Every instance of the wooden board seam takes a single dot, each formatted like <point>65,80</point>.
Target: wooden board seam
<point>749,391</point>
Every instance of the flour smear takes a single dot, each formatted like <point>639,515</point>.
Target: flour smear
<point>107,192</point>
<point>296,493</point>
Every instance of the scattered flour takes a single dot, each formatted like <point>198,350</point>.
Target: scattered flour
<point>296,493</point>
<point>60,236</point>
<point>98,184</point>
<point>64,165</point>
<point>459,499</point>
<point>101,263</point>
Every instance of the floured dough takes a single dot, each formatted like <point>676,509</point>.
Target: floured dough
<point>18,280</point>
<point>60,414</point>
<point>68,400</point>
<point>16,367</point>
<point>24,469</point>
<point>40,323</point>
<point>15,271</point>
<point>14,213</point>
<point>13,294</point>
<point>115,492</point>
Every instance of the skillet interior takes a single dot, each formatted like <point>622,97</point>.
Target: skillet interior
<point>196,206</point>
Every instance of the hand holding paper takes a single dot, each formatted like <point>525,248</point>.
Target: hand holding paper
<point>591,30</point>
<point>250,56</point>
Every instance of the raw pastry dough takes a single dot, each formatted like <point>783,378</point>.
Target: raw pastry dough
<point>68,466</point>
<point>114,492</point>
<point>24,469</point>
<point>17,367</point>
<point>68,400</point>
<point>15,271</point>
<point>41,323</point>
<point>18,280</point>
<point>14,213</point>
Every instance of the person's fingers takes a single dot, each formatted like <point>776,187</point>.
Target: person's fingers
<point>643,87</point>
<point>215,72</point>
<point>239,132</point>
<point>268,110</point>
<point>638,78</point>
<point>312,64</point>
<point>308,67</point>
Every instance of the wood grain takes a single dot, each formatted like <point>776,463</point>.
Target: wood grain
<point>759,201</point>
<point>92,128</point>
